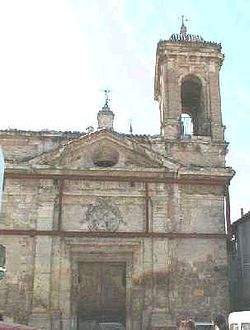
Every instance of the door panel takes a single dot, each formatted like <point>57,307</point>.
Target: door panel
<point>102,292</point>
<point>90,287</point>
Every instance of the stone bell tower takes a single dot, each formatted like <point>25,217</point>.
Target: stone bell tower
<point>187,86</point>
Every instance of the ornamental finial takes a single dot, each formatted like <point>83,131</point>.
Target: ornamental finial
<point>105,116</point>
<point>107,99</point>
<point>183,30</point>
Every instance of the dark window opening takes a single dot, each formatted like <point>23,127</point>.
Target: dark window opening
<point>104,163</point>
<point>192,102</point>
<point>2,261</point>
<point>2,255</point>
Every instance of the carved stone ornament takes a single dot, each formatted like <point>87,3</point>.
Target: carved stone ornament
<point>103,216</point>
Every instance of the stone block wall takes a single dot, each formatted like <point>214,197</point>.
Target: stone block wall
<point>169,277</point>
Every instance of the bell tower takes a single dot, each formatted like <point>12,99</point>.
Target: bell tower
<point>187,87</point>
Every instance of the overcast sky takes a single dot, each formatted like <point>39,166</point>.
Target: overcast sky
<point>56,57</point>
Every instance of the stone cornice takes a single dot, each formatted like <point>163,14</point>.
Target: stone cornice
<point>201,47</point>
<point>206,176</point>
<point>96,234</point>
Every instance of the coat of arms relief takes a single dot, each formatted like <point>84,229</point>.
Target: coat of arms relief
<point>103,216</point>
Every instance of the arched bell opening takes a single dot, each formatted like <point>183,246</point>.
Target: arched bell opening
<point>193,105</point>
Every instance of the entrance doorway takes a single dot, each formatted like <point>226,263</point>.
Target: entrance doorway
<point>102,295</point>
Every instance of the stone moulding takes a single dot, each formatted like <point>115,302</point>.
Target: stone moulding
<point>64,233</point>
<point>210,176</point>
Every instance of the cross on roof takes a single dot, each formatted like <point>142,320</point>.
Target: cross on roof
<point>183,30</point>
<point>107,98</point>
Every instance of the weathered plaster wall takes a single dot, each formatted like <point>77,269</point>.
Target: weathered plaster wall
<point>189,278</point>
<point>79,195</point>
<point>169,278</point>
<point>202,209</point>
<point>28,204</point>
<point>16,289</point>
<point>23,145</point>
<point>198,151</point>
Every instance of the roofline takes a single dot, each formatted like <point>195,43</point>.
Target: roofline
<point>65,134</point>
<point>43,132</point>
<point>244,218</point>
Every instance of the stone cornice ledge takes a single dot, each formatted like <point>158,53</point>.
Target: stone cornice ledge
<point>126,235</point>
<point>215,176</point>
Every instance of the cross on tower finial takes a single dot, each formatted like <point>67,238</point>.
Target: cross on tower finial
<point>130,127</point>
<point>183,30</point>
<point>107,98</point>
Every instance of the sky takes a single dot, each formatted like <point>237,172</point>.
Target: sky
<point>57,57</point>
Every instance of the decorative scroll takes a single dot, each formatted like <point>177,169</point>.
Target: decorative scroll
<point>193,39</point>
<point>187,37</point>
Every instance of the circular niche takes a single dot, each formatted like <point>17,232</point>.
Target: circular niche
<point>105,156</point>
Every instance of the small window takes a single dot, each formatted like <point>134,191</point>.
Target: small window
<point>234,326</point>
<point>245,326</point>
<point>2,261</point>
<point>204,327</point>
<point>186,125</point>
<point>2,255</point>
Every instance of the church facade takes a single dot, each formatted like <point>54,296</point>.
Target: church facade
<point>110,228</point>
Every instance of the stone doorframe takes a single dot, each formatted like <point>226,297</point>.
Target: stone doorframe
<point>101,250</point>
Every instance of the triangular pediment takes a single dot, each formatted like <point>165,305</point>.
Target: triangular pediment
<point>103,149</point>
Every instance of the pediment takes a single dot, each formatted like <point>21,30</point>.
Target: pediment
<point>102,149</point>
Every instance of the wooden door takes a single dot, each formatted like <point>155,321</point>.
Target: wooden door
<point>102,292</point>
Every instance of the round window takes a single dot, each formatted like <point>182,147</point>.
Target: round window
<point>105,156</point>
